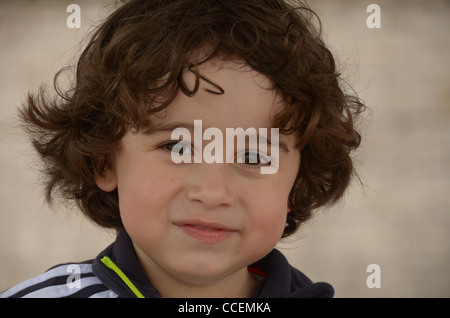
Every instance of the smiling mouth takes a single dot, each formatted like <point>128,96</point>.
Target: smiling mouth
<point>206,232</point>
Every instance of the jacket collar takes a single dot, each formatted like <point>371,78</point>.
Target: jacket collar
<point>284,281</point>
<point>277,278</point>
<point>122,253</point>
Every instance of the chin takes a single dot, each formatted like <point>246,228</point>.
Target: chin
<point>196,273</point>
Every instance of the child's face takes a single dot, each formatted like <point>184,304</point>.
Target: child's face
<point>200,223</point>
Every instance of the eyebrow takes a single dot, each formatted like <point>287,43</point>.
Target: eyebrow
<point>171,126</point>
<point>166,127</point>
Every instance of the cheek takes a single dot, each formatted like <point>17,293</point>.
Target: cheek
<point>268,218</point>
<point>273,216</point>
<point>144,199</point>
<point>268,206</point>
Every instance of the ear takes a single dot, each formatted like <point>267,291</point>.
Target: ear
<point>107,181</point>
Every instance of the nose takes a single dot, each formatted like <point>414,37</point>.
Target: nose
<point>211,186</point>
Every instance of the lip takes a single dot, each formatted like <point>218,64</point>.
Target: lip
<point>207,232</point>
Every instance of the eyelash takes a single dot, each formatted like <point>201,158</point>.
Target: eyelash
<point>261,160</point>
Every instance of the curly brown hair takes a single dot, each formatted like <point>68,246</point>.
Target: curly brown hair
<point>132,67</point>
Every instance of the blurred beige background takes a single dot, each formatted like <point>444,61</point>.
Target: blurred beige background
<point>399,220</point>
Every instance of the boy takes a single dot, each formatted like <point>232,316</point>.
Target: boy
<point>205,227</point>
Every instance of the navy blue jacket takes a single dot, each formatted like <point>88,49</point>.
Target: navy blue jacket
<point>116,272</point>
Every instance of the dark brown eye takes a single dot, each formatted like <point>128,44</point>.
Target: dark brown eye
<point>253,158</point>
<point>178,147</point>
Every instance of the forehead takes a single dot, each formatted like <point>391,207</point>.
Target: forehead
<point>249,99</point>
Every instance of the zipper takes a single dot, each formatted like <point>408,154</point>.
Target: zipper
<point>111,265</point>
